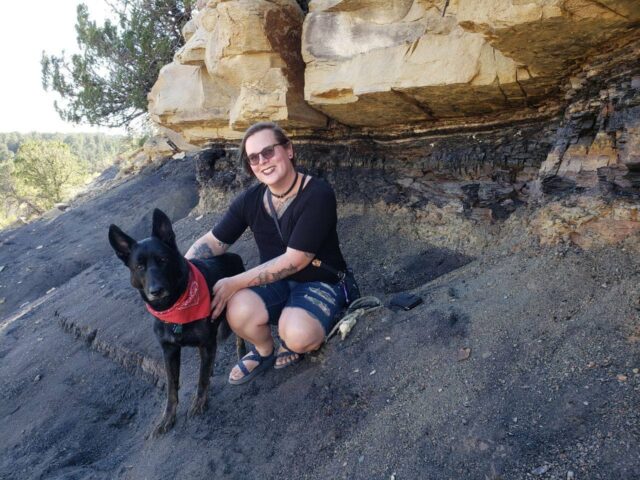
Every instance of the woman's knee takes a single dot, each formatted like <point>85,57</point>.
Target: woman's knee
<point>301,333</point>
<point>244,308</point>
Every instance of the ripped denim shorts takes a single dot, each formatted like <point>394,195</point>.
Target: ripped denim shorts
<point>321,300</point>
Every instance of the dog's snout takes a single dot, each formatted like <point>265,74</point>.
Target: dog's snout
<point>157,292</point>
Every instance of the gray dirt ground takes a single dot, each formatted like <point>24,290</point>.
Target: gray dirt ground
<point>548,332</point>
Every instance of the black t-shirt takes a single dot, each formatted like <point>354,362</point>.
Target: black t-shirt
<point>308,224</point>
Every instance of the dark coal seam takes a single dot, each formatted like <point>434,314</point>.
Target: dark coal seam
<point>437,132</point>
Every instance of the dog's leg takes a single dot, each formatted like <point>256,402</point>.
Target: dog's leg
<point>172,366</point>
<point>199,404</point>
<point>241,348</point>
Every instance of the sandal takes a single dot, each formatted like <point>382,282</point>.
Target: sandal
<point>263,364</point>
<point>286,353</point>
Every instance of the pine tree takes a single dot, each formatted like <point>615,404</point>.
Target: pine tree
<point>108,82</point>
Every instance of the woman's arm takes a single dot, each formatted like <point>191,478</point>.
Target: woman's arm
<point>287,264</point>
<point>207,246</point>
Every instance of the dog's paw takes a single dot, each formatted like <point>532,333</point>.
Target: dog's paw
<point>198,406</point>
<point>166,424</point>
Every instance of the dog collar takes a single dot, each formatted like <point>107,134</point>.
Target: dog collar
<point>194,304</point>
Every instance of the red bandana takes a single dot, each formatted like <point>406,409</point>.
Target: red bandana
<point>194,304</point>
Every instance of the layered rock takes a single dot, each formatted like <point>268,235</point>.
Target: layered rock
<point>598,143</point>
<point>240,64</point>
<point>376,64</point>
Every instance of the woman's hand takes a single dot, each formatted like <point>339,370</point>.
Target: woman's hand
<point>223,290</point>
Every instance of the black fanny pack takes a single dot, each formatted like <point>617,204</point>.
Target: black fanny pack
<point>346,278</point>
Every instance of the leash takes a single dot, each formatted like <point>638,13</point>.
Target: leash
<point>357,308</point>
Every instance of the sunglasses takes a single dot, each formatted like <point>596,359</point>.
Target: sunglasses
<point>267,153</point>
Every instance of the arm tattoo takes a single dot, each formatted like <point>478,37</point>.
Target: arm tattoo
<point>203,251</point>
<point>223,245</point>
<point>265,276</point>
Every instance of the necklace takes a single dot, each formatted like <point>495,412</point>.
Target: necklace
<point>295,180</point>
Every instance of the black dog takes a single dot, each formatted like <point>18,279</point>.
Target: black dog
<point>165,278</point>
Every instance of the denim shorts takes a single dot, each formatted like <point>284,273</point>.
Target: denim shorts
<point>321,300</point>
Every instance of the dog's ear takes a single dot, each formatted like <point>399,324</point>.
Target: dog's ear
<point>121,243</point>
<point>162,229</point>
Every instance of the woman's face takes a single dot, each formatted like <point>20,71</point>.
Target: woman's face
<point>276,170</point>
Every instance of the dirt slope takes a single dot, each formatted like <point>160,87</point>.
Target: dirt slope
<point>548,386</point>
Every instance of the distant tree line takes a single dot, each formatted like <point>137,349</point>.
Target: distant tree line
<point>96,150</point>
<point>38,170</point>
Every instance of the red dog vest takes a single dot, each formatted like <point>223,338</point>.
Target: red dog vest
<point>194,304</point>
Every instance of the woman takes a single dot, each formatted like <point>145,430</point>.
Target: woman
<point>286,288</point>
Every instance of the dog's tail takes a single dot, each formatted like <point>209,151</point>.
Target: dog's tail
<point>224,330</point>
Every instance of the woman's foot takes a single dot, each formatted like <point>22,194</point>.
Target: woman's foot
<point>250,366</point>
<point>285,357</point>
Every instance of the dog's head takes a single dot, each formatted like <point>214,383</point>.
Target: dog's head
<point>158,269</point>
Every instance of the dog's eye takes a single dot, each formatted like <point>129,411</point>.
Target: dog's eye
<point>164,259</point>
<point>140,267</point>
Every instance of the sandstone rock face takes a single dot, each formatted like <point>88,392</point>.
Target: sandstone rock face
<point>375,64</point>
<point>240,64</point>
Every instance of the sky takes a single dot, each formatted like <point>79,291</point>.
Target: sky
<point>26,29</point>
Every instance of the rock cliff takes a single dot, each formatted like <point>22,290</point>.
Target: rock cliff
<point>240,64</point>
<point>454,112</point>
<point>396,63</point>
<point>377,64</point>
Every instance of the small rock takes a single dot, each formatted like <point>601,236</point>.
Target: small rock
<point>361,459</point>
<point>621,377</point>
<point>387,338</point>
<point>50,290</point>
<point>2,300</point>
<point>356,370</point>
<point>1,268</point>
<point>591,365</point>
<point>464,353</point>
<point>199,217</point>
<point>372,372</point>
<point>37,378</point>
<point>540,470</point>
<point>636,370</point>
<point>39,247</point>
<point>570,475</point>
